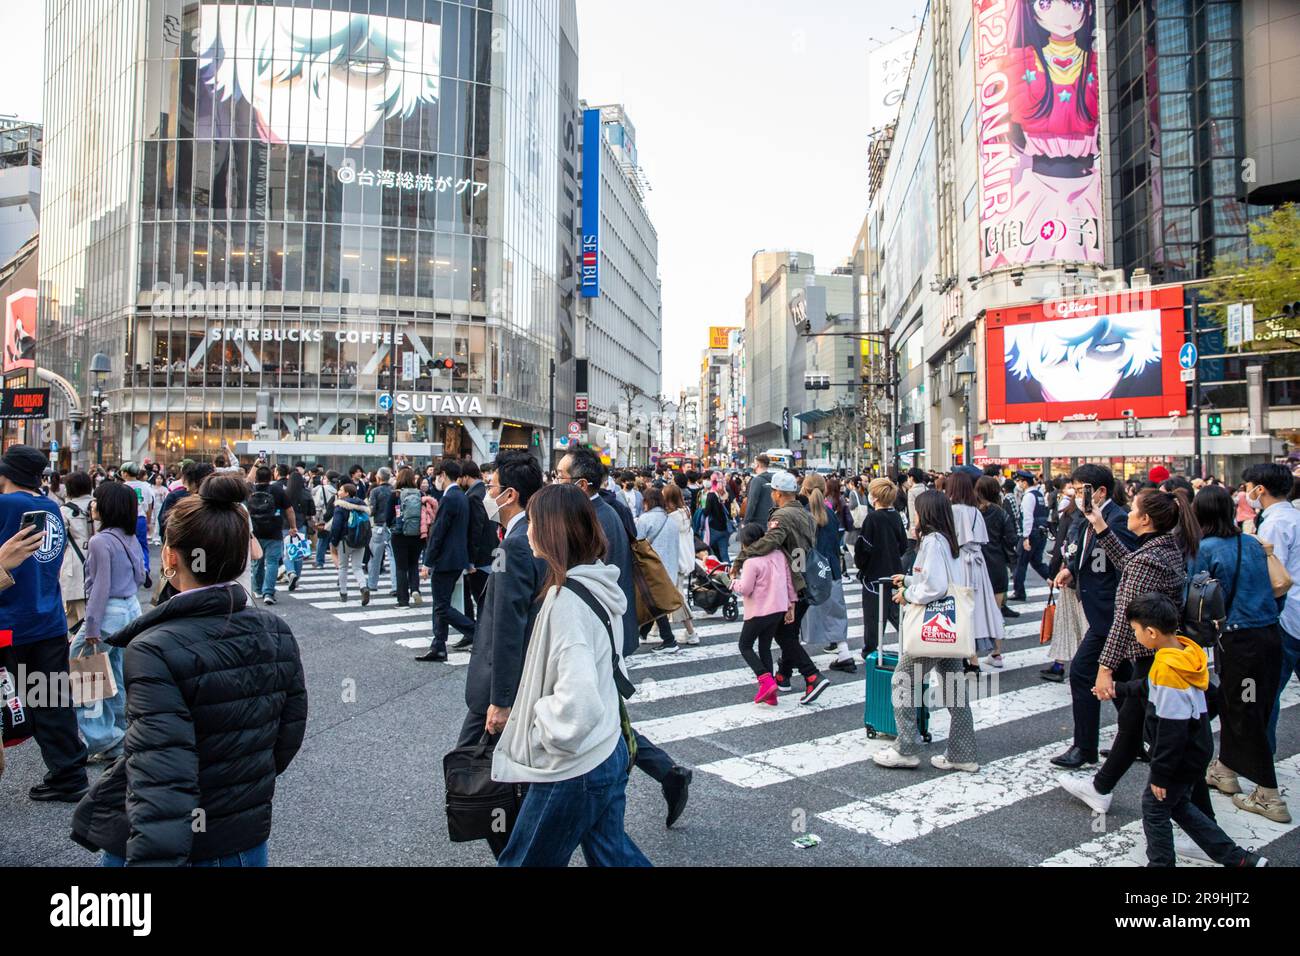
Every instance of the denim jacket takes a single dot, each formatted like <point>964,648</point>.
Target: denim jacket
<point>1252,604</point>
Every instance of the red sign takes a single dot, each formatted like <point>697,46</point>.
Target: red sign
<point>1095,357</point>
<point>580,403</point>
<point>25,403</point>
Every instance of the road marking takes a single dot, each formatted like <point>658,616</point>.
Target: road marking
<point>1127,846</point>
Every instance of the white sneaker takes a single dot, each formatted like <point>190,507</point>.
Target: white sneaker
<point>691,640</point>
<point>893,759</point>
<point>995,661</point>
<point>1186,846</point>
<point>941,762</point>
<point>1085,790</point>
<point>667,649</point>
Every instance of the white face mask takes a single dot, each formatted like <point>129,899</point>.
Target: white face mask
<point>1255,502</point>
<point>492,508</point>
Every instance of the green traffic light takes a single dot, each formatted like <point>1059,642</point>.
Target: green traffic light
<point>1216,426</point>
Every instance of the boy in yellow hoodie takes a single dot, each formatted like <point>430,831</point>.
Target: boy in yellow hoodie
<point>1178,732</point>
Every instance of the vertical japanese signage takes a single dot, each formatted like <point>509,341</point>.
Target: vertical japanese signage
<point>591,204</point>
<point>1037,101</point>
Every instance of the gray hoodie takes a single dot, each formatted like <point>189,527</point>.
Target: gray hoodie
<point>565,721</point>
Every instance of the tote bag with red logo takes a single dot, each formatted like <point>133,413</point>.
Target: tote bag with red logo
<point>942,628</point>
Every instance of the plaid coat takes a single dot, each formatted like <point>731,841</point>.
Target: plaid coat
<point>1157,566</point>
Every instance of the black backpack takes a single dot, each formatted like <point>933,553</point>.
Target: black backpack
<point>262,509</point>
<point>1205,610</point>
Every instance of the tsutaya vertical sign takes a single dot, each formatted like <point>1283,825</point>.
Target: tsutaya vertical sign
<point>591,147</point>
<point>1037,97</point>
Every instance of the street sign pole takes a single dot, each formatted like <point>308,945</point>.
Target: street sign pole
<point>1198,464</point>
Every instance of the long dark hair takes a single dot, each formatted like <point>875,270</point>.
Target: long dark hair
<point>934,516</point>
<point>1171,513</point>
<point>1032,34</point>
<point>1215,513</point>
<point>960,489</point>
<point>565,531</point>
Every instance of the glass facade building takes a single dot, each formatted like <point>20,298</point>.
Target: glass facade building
<point>277,213</point>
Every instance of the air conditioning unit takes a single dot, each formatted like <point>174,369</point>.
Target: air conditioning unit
<point>1140,279</point>
<point>1111,280</point>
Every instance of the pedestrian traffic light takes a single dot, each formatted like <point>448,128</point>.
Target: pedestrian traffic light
<point>370,434</point>
<point>1216,425</point>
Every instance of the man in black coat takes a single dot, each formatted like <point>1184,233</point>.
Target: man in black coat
<point>758,500</point>
<point>584,469</point>
<point>1096,579</point>
<point>447,557</point>
<point>482,537</point>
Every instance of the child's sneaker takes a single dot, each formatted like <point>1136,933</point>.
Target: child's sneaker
<point>1253,859</point>
<point>767,691</point>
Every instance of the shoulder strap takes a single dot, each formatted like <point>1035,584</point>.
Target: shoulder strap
<point>625,686</point>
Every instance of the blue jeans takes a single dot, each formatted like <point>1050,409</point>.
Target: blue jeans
<point>322,547</point>
<point>257,856</point>
<point>587,812</point>
<point>103,723</point>
<point>267,566</point>
<point>142,535</point>
<point>1290,667</point>
<point>381,547</point>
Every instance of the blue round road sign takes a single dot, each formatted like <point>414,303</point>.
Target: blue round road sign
<point>1188,356</point>
<point>385,402</point>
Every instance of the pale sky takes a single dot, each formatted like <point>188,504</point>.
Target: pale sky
<point>750,123</point>
<point>751,128</point>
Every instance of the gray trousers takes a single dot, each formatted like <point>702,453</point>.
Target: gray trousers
<point>909,679</point>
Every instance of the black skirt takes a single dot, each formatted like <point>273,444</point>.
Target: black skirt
<point>1250,667</point>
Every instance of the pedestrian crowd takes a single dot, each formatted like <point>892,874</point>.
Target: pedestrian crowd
<point>1176,601</point>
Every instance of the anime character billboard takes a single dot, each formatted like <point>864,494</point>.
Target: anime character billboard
<point>1038,106</point>
<point>20,331</point>
<point>1090,357</point>
<point>314,76</point>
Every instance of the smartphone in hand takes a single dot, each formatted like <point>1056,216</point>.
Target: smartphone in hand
<point>1087,499</point>
<point>34,519</point>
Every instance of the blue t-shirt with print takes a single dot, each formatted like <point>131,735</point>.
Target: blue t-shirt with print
<point>32,610</point>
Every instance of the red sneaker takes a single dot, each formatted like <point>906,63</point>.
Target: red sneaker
<point>766,690</point>
<point>813,687</point>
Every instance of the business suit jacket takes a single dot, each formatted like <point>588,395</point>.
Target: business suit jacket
<point>619,555</point>
<point>758,507</point>
<point>449,537</point>
<point>482,532</point>
<point>1095,576</point>
<point>510,607</point>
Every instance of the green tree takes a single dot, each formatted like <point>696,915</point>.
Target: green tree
<point>1271,278</point>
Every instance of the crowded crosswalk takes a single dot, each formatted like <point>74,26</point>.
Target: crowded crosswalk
<point>694,701</point>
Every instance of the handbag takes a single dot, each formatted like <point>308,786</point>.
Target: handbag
<point>90,678</point>
<point>15,727</point>
<point>941,629</point>
<point>656,594</point>
<point>1047,627</point>
<point>1279,578</point>
<point>477,805</point>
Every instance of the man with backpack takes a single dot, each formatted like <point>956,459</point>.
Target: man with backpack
<point>408,523</point>
<point>1033,533</point>
<point>271,513</point>
<point>381,501</point>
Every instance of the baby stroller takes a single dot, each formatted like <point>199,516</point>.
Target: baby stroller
<point>711,592</point>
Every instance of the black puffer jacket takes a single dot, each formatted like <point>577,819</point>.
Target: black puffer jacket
<point>216,707</point>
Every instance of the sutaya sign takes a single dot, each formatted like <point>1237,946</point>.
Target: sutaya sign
<point>440,403</point>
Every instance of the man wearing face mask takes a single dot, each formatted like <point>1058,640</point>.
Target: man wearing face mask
<point>483,538</point>
<point>1277,523</point>
<point>447,557</point>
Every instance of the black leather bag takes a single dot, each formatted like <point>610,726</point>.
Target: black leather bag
<point>477,805</point>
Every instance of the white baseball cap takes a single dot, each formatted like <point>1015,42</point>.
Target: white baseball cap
<point>784,481</point>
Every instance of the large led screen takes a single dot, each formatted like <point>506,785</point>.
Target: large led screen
<point>1093,357</point>
<point>315,76</point>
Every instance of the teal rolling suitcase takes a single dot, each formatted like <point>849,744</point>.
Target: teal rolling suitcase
<point>878,716</point>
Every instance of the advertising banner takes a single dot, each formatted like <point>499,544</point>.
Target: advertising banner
<point>1037,108</point>
<point>1089,358</point>
<point>24,404</point>
<point>888,66</point>
<point>20,331</point>
<point>591,146</point>
<point>718,337</point>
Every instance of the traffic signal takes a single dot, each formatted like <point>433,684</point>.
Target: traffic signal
<point>1291,310</point>
<point>1216,425</point>
<point>444,364</point>
<point>370,434</point>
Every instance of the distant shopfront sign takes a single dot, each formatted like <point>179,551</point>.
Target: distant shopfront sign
<point>25,404</point>
<point>437,403</point>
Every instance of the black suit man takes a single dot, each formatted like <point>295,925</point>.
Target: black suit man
<point>584,469</point>
<point>482,539</point>
<point>1095,579</point>
<point>447,557</point>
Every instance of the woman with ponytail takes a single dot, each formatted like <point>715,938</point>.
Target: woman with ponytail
<point>828,621</point>
<point>216,706</point>
<point>1168,537</point>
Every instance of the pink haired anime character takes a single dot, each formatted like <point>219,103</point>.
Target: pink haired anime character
<point>1054,102</point>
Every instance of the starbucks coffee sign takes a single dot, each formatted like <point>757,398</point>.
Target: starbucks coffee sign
<point>436,403</point>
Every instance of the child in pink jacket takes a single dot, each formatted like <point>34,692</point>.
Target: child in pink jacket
<point>769,595</point>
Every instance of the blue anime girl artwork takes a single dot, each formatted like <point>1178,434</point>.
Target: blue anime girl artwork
<point>307,75</point>
<point>1084,360</point>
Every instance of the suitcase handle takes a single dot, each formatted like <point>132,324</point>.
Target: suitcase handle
<point>885,593</point>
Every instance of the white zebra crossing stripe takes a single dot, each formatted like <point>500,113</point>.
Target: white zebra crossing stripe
<point>945,801</point>
<point>1127,845</point>
<point>804,758</point>
<point>652,690</point>
<point>701,723</point>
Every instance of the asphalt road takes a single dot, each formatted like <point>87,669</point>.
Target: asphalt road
<point>366,788</point>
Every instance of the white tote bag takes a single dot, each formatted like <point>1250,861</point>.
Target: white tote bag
<point>943,628</point>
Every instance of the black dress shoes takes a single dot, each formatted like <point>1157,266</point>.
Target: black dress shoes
<point>463,644</point>
<point>44,793</point>
<point>1075,758</point>
<point>1009,614</point>
<point>677,789</point>
<point>433,657</point>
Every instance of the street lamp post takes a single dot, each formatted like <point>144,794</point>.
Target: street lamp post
<point>100,367</point>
